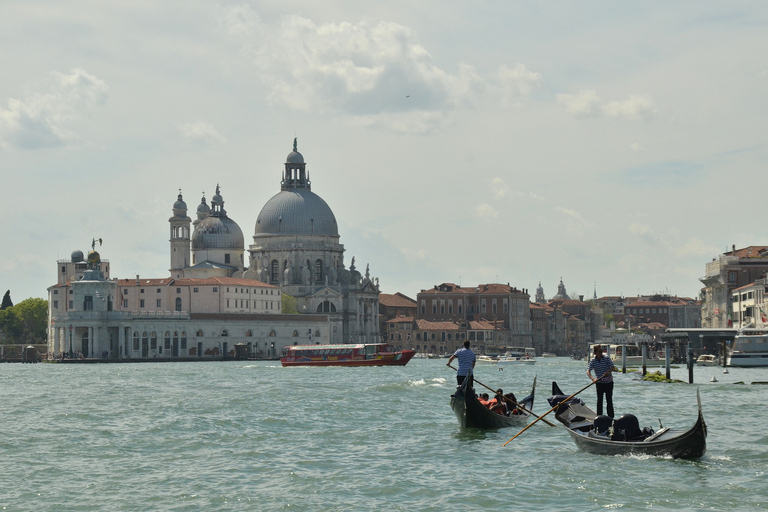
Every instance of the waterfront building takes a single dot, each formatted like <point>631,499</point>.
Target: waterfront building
<point>212,301</point>
<point>724,274</point>
<point>749,305</point>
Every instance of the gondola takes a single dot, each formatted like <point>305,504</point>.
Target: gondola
<point>623,436</point>
<point>471,413</point>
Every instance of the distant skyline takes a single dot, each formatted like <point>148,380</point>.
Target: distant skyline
<point>613,145</point>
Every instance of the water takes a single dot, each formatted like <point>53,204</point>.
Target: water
<point>256,436</point>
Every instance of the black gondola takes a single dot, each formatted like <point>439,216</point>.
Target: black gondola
<point>471,413</point>
<point>623,436</point>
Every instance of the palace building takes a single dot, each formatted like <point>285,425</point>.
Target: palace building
<point>212,301</point>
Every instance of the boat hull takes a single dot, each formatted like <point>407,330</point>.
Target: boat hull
<point>471,413</point>
<point>581,421</point>
<point>747,360</point>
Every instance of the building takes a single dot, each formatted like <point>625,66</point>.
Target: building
<point>212,301</point>
<point>749,305</point>
<point>731,270</point>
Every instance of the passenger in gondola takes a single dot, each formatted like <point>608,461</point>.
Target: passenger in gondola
<point>511,401</point>
<point>603,379</point>
<point>498,405</point>
<point>483,399</point>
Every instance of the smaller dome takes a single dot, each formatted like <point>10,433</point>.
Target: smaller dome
<point>203,207</point>
<point>180,204</point>
<point>77,256</point>
<point>294,158</point>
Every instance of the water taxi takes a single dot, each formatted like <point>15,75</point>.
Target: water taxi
<point>361,354</point>
<point>706,360</point>
<point>750,348</point>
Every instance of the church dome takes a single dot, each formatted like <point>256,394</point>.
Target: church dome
<point>77,256</point>
<point>297,212</point>
<point>180,204</point>
<point>203,207</point>
<point>216,232</point>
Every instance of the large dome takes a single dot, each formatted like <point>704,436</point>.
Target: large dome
<point>216,232</point>
<point>297,212</point>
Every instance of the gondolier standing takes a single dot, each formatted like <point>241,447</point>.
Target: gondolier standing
<point>467,362</point>
<point>603,367</point>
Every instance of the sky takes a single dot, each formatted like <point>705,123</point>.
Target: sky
<point>618,146</point>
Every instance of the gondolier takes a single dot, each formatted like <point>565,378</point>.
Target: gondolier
<point>467,362</point>
<point>603,367</point>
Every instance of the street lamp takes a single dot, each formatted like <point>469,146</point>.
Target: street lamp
<point>70,341</point>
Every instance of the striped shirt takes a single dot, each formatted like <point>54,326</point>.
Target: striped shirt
<point>600,366</point>
<point>466,357</point>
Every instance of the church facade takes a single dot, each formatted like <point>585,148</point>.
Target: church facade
<point>212,300</point>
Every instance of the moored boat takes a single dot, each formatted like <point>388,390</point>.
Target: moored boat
<point>706,360</point>
<point>603,435</point>
<point>471,413</point>
<point>750,348</point>
<point>362,354</point>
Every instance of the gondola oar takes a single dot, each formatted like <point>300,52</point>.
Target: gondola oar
<point>511,401</point>
<point>555,407</point>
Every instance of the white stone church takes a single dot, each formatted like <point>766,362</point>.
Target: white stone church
<point>212,302</point>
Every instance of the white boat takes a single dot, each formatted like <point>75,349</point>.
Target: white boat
<point>706,360</point>
<point>750,348</point>
<point>518,355</point>
<point>487,359</point>
<point>548,354</point>
<point>634,354</point>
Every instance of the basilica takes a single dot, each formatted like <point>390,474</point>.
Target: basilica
<point>215,299</point>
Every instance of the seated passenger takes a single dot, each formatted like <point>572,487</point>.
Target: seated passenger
<point>498,405</point>
<point>512,403</point>
<point>483,399</point>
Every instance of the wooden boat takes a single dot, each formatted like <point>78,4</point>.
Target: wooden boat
<point>362,354</point>
<point>471,413</point>
<point>623,436</point>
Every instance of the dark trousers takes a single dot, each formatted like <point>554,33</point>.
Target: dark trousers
<point>605,388</point>
<point>460,379</point>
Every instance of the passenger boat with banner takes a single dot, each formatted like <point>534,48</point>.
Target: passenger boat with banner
<point>750,348</point>
<point>603,435</point>
<point>471,413</point>
<point>362,354</point>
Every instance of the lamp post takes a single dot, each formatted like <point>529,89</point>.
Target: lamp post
<point>70,341</point>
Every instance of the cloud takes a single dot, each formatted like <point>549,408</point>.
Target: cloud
<point>500,188</point>
<point>517,83</point>
<point>588,104</point>
<point>486,212</point>
<point>574,218</point>
<point>201,132</point>
<point>370,73</point>
<point>39,120</point>
<point>583,104</point>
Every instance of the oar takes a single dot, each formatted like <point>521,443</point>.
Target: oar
<point>511,401</point>
<point>555,407</point>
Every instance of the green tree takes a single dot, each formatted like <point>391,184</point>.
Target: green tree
<point>7,302</point>
<point>289,305</point>
<point>26,322</point>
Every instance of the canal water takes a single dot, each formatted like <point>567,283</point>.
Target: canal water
<point>256,436</point>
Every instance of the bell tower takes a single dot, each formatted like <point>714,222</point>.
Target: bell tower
<point>180,224</point>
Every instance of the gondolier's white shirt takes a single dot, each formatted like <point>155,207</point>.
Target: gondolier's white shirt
<point>600,366</point>
<point>466,358</point>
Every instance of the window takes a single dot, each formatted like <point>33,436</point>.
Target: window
<point>183,340</point>
<point>318,271</point>
<point>159,302</point>
<point>63,269</point>
<point>216,288</point>
<point>55,292</point>
<point>141,303</point>
<point>153,341</point>
<point>141,290</point>
<point>275,272</point>
<point>125,303</point>
<point>158,290</point>
<point>88,303</point>
<point>226,258</point>
<point>55,304</point>
<point>224,333</point>
<point>125,291</point>
<point>178,290</point>
<point>194,290</point>
<point>178,303</point>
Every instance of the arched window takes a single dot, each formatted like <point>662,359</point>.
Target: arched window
<point>295,334</point>
<point>199,333</point>
<point>272,333</point>
<point>249,333</point>
<point>224,332</point>
<point>153,341</point>
<point>136,340</point>
<point>275,272</point>
<point>178,303</point>
<point>183,340</point>
<point>326,307</point>
<point>318,271</point>
<point>317,334</point>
